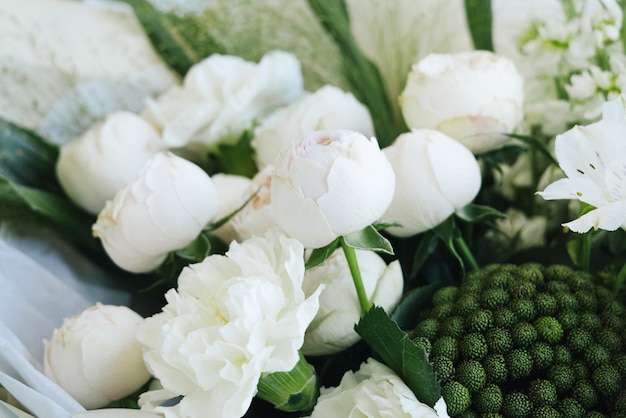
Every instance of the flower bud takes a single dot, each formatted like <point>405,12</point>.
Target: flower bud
<point>163,210</point>
<point>95,166</point>
<point>474,97</point>
<point>435,176</point>
<point>96,357</point>
<point>327,108</point>
<point>295,390</point>
<point>332,329</point>
<point>331,183</point>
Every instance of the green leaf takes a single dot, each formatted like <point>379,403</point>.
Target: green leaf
<point>394,346</point>
<point>415,301</point>
<point>23,203</point>
<point>25,158</point>
<point>362,75</point>
<point>166,32</point>
<point>237,158</point>
<point>368,239</point>
<point>448,232</point>
<point>622,31</point>
<point>479,21</point>
<point>319,255</point>
<point>197,250</point>
<point>426,247</point>
<point>475,213</point>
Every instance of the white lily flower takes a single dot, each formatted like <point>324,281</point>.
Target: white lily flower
<point>593,158</point>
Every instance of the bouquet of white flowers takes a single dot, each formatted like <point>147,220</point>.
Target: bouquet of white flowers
<point>316,208</point>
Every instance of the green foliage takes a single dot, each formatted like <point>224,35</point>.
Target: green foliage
<point>457,397</point>
<point>478,14</point>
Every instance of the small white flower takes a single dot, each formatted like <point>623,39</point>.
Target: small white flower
<point>332,330</point>
<point>435,176</point>
<point>96,357</point>
<point>163,210</point>
<point>594,159</point>
<point>331,183</point>
<point>327,108</point>
<point>222,96</point>
<point>474,97</point>
<point>104,159</point>
<point>232,318</point>
<point>373,391</point>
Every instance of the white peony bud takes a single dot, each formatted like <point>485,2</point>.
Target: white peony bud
<point>474,97</point>
<point>233,191</point>
<point>332,329</point>
<point>96,357</point>
<point>435,176</point>
<point>327,108</point>
<point>92,168</point>
<point>163,210</point>
<point>222,96</point>
<point>331,183</point>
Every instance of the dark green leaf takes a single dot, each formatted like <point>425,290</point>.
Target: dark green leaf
<point>536,144</point>
<point>197,250</point>
<point>479,21</point>
<point>363,76</point>
<point>394,346</point>
<point>415,301</point>
<point>478,213</point>
<point>237,158</point>
<point>368,239</point>
<point>27,159</point>
<point>319,255</point>
<point>426,246</point>
<point>168,37</point>
<point>448,233</point>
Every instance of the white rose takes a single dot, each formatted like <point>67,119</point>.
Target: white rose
<point>332,330</point>
<point>435,176</point>
<point>96,357</point>
<point>474,97</point>
<point>373,391</point>
<point>163,210</point>
<point>331,183</point>
<point>256,217</point>
<point>232,319</point>
<point>110,154</point>
<point>222,96</point>
<point>233,191</point>
<point>327,108</point>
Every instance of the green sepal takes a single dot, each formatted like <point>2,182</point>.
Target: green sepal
<point>474,213</point>
<point>319,255</point>
<point>197,250</point>
<point>396,349</point>
<point>292,391</point>
<point>479,20</point>
<point>368,239</point>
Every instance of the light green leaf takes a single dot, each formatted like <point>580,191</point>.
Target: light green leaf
<point>479,20</point>
<point>319,255</point>
<point>394,346</point>
<point>368,239</point>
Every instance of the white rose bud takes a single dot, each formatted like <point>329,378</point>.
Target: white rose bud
<point>222,96</point>
<point>163,210</point>
<point>332,329</point>
<point>110,154</point>
<point>327,108</point>
<point>474,97</point>
<point>435,176</point>
<point>331,183</point>
<point>96,357</point>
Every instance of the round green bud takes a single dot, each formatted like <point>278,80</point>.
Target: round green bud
<point>578,339</point>
<point>442,311</point>
<point>585,394</point>
<point>521,289</point>
<point>444,367</point>
<point>489,399</point>
<point>445,294</point>
<point>542,392</point>
<point>516,405</point>
<point>580,369</point>
<point>473,346</point>
<point>545,304</point>
<point>524,309</point>
<point>569,407</point>
<point>586,300</point>
<point>566,302</point>
<point>542,355</point>
<point>610,340</point>
<point>519,363</point>
<point>457,397</point>
<point>479,320</point>
<point>562,354</point>
<point>606,379</point>
<point>466,304</point>
<point>595,355</point>
<point>452,326</point>
<point>427,328</point>
<point>504,318</point>
<point>495,368</point>
<point>562,377</point>
<point>589,321</point>
<point>524,334</point>
<point>499,340</point>
<point>445,346</point>
<point>545,411</point>
<point>567,319</point>
<point>470,373</point>
<point>548,329</point>
<point>494,298</point>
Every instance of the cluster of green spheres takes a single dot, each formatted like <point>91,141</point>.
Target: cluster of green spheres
<point>527,341</point>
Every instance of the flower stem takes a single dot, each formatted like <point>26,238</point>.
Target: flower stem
<point>465,252</point>
<point>356,275</point>
<point>584,249</point>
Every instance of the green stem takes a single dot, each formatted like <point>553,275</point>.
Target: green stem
<point>585,251</point>
<point>356,275</point>
<point>465,252</point>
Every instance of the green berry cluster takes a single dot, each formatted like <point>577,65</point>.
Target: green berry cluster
<point>528,341</point>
